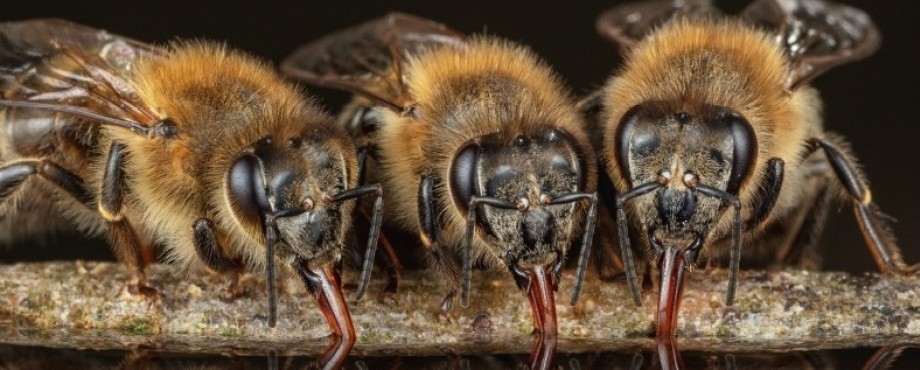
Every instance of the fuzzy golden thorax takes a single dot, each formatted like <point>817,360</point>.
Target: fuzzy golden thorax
<point>225,104</point>
<point>488,90</point>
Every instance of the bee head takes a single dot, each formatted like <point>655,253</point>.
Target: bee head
<point>290,190</point>
<point>682,169</point>
<point>689,155</point>
<point>293,183</point>
<point>514,179</point>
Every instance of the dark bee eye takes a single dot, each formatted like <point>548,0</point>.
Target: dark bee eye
<point>463,180</point>
<point>744,152</point>
<point>247,190</point>
<point>644,143</point>
<point>635,135</point>
<point>579,165</point>
<point>370,120</point>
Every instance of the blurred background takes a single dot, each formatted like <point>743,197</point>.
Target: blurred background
<point>873,102</point>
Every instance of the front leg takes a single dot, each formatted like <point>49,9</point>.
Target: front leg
<point>388,259</point>
<point>212,253</point>
<point>430,234</point>
<point>121,234</point>
<point>878,236</point>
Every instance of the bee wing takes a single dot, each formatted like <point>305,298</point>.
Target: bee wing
<point>367,59</point>
<point>60,66</point>
<point>629,23</point>
<point>815,34</point>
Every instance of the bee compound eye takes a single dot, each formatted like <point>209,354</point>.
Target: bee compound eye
<point>370,120</point>
<point>246,188</point>
<point>744,153</point>
<point>463,179</point>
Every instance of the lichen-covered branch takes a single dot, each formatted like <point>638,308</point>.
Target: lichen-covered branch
<point>75,304</point>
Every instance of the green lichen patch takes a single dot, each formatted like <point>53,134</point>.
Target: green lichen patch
<point>138,327</point>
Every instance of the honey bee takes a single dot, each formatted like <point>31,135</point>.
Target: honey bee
<point>195,147</point>
<point>480,146</point>
<point>713,139</point>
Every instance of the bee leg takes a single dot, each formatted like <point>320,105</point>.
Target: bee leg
<point>362,163</point>
<point>769,194</point>
<point>212,254</point>
<point>128,249</point>
<point>122,236</point>
<point>874,229</point>
<point>389,260</point>
<point>796,232</point>
<point>607,262</point>
<point>802,249</point>
<point>392,265</point>
<point>441,255</point>
<point>12,175</point>
<point>884,358</point>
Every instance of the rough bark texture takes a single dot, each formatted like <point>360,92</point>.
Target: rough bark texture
<point>85,305</point>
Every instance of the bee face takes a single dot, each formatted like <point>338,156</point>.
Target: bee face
<point>300,176</point>
<point>680,149</point>
<point>527,170</point>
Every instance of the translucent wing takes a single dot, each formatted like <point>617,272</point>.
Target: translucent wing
<point>629,23</point>
<point>62,67</point>
<point>817,35</point>
<point>367,59</point>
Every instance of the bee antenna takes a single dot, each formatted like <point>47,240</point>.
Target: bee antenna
<point>467,260</point>
<point>623,231</point>
<point>374,233</point>
<point>468,241</point>
<point>735,256</point>
<point>270,237</point>
<point>588,237</point>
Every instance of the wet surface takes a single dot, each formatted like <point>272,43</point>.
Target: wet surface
<point>28,357</point>
<point>777,315</point>
<point>82,302</point>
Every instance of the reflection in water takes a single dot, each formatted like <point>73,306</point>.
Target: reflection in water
<point>668,354</point>
<point>542,353</point>
<point>663,357</point>
<point>336,353</point>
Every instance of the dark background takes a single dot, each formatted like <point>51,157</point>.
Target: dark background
<point>874,102</point>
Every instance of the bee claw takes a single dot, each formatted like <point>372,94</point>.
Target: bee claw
<point>234,290</point>
<point>388,298</point>
<point>443,316</point>
<point>906,271</point>
<point>148,292</point>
